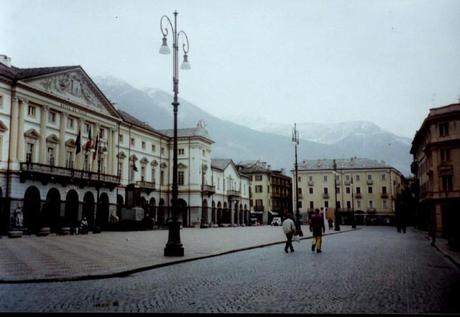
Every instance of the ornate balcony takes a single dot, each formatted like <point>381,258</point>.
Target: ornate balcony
<point>208,189</point>
<point>147,187</point>
<point>233,193</point>
<point>65,176</point>
<point>325,195</point>
<point>259,208</point>
<point>384,195</point>
<point>311,183</point>
<point>371,210</point>
<point>369,182</point>
<point>358,196</point>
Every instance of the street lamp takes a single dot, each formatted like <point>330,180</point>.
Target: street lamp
<point>295,140</point>
<point>336,212</point>
<point>174,246</point>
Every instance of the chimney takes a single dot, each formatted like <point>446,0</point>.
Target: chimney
<point>5,60</point>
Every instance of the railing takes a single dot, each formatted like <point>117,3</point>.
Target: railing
<point>259,208</point>
<point>325,196</point>
<point>232,192</point>
<point>358,196</point>
<point>369,182</point>
<point>145,184</point>
<point>347,182</point>
<point>211,189</point>
<point>371,210</point>
<point>311,183</point>
<point>384,195</point>
<point>63,172</point>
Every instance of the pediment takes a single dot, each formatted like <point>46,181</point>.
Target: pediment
<point>154,163</point>
<point>76,86</point>
<point>144,160</point>
<point>133,157</point>
<point>70,143</point>
<point>163,165</point>
<point>121,155</point>
<point>3,127</point>
<point>181,165</point>
<point>52,139</point>
<point>32,133</point>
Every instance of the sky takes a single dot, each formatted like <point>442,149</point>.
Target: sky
<point>287,61</point>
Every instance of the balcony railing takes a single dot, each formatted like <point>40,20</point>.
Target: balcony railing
<point>145,184</point>
<point>259,208</point>
<point>48,173</point>
<point>358,196</point>
<point>311,183</point>
<point>325,196</point>
<point>369,182</point>
<point>208,189</point>
<point>232,192</point>
<point>371,210</point>
<point>384,195</point>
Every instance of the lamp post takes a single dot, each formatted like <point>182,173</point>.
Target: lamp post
<point>295,140</point>
<point>336,213</point>
<point>174,245</point>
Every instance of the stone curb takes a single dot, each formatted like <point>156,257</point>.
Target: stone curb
<point>150,267</point>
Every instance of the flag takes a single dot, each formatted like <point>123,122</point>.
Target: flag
<point>95,148</point>
<point>90,141</point>
<point>78,143</point>
<point>134,166</point>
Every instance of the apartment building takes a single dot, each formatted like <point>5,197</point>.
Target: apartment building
<point>436,166</point>
<point>357,187</point>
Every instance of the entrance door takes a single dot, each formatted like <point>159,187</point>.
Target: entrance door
<point>31,209</point>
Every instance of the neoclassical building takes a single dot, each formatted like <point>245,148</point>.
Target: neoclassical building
<point>361,187</point>
<point>67,152</point>
<point>436,166</point>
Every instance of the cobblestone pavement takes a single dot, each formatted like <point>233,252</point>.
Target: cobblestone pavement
<point>372,270</point>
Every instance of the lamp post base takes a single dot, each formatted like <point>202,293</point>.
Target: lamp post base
<point>174,246</point>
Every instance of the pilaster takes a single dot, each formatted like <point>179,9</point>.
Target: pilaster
<point>20,140</point>
<point>42,149</point>
<point>62,124</point>
<point>14,129</point>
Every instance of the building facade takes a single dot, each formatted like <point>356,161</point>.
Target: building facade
<point>230,197</point>
<point>66,153</point>
<point>271,190</point>
<point>358,189</point>
<point>436,166</point>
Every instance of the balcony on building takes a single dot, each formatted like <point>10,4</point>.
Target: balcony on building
<point>384,195</point>
<point>311,183</point>
<point>371,210</point>
<point>358,196</point>
<point>325,195</point>
<point>347,182</point>
<point>369,182</point>
<point>49,173</point>
<point>259,208</point>
<point>208,189</point>
<point>233,193</point>
<point>147,187</point>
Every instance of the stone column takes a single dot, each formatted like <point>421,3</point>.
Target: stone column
<point>62,124</point>
<point>20,139</point>
<point>42,149</point>
<point>14,129</point>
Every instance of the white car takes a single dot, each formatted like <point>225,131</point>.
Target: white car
<point>276,221</point>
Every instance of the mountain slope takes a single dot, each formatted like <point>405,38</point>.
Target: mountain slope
<point>242,143</point>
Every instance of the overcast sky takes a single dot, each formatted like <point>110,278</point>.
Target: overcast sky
<point>285,61</point>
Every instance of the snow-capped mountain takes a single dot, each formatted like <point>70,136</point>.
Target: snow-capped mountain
<point>264,141</point>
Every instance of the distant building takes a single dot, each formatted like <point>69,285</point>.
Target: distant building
<point>367,188</point>
<point>436,165</point>
<point>230,198</point>
<point>271,190</point>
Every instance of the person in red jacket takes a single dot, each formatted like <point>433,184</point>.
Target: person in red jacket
<point>318,228</point>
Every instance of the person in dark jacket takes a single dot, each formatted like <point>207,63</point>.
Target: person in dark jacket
<point>318,228</point>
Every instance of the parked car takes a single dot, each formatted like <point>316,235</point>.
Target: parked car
<point>276,221</point>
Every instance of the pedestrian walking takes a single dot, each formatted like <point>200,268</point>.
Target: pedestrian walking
<point>289,230</point>
<point>318,228</point>
<point>330,222</point>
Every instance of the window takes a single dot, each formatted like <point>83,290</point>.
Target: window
<point>133,142</point>
<point>31,111</point>
<point>310,178</point>
<point>52,117</point>
<point>325,190</point>
<point>369,177</point>
<point>310,190</point>
<point>445,155</point>
<point>326,203</point>
<point>120,168</point>
<point>204,152</point>
<point>101,133</point>
<point>87,127</point>
<point>325,178</point>
<point>162,177</point>
<point>299,203</point>
<point>358,190</point>
<point>30,152</point>
<point>258,189</point>
<point>384,189</point>
<point>258,177</point>
<point>300,179</point>
<point>299,190</point>
<point>444,129</point>
<point>337,178</point>
<point>384,204</point>
<point>143,145</point>
<point>70,123</point>
<point>181,151</point>
<point>358,204</point>
<point>338,205</point>
<point>69,159</point>
<point>162,151</point>
<point>86,162</point>
<point>369,189</point>
<point>50,157</point>
<point>447,182</point>
<point>347,177</point>
<point>347,190</point>
<point>120,137</point>
<point>337,190</point>
<point>153,175</point>
<point>153,148</point>
<point>312,205</point>
<point>348,204</point>
<point>357,178</point>
<point>371,204</point>
<point>142,173</point>
<point>383,177</point>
